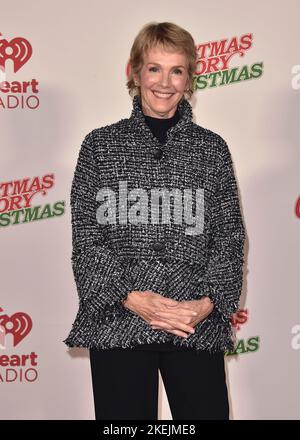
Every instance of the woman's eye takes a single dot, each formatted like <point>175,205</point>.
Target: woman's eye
<point>178,71</point>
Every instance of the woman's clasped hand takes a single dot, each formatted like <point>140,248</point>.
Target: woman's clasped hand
<point>177,317</point>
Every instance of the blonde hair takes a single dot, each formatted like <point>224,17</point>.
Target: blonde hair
<point>172,38</point>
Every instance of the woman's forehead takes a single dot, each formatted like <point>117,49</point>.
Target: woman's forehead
<point>159,53</point>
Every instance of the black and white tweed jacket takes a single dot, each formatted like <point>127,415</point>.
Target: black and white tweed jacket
<point>125,239</point>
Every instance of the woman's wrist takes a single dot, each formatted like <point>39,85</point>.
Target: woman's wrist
<point>124,300</point>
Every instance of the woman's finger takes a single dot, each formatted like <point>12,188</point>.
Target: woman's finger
<point>173,325</point>
<point>175,332</point>
<point>174,313</point>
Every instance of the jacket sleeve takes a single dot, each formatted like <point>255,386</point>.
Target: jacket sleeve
<point>223,277</point>
<point>101,279</point>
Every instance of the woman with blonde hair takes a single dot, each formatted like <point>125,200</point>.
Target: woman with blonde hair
<point>158,242</point>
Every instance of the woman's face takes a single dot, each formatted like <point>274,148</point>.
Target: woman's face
<point>163,80</point>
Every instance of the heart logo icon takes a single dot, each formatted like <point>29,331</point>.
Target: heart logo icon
<point>19,325</point>
<point>18,49</point>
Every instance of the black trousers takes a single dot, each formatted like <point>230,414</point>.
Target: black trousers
<point>125,384</point>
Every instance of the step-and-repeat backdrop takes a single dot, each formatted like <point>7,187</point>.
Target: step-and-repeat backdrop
<point>63,73</point>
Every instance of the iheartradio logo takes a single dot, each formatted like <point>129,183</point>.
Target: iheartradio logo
<point>16,94</point>
<point>19,325</point>
<point>16,367</point>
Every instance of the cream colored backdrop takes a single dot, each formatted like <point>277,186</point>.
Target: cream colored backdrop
<point>79,55</point>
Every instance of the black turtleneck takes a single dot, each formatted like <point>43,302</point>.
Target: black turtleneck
<point>160,126</point>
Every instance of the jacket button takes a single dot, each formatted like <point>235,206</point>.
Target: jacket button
<point>158,153</point>
<point>159,246</point>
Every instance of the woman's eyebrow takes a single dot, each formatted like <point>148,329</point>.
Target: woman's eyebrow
<point>160,65</point>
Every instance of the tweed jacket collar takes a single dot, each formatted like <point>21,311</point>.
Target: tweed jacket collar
<point>138,123</point>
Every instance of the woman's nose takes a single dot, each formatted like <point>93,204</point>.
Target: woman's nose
<point>165,79</point>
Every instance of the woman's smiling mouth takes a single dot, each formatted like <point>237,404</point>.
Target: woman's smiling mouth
<point>162,95</point>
